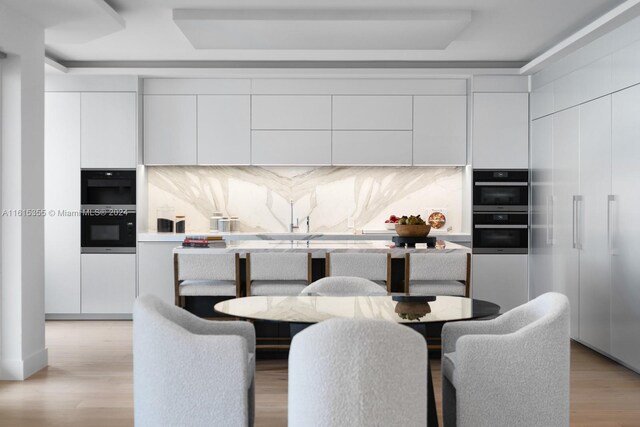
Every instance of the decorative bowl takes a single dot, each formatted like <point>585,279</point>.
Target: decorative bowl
<point>390,225</point>
<point>413,230</point>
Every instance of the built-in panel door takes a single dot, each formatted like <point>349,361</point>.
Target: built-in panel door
<point>566,201</point>
<point>501,279</point>
<point>371,148</point>
<point>289,147</point>
<point>108,283</point>
<point>593,217</point>
<point>625,227</point>
<point>224,130</point>
<point>291,112</point>
<point>500,130</point>
<point>372,112</point>
<point>541,256</point>
<point>62,202</point>
<point>109,131</point>
<point>155,270</point>
<point>170,136</point>
<point>439,130</point>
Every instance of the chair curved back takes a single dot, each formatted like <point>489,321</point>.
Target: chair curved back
<point>522,356</point>
<point>346,372</point>
<point>184,372</point>
<point>344,285</point>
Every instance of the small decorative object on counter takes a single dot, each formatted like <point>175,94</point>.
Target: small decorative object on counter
<point>412,226</point>
<point>180,224</point>
<point>390,224</point>
<point>437,219</point>
<point>165,219</point>
<point>203,242</point>
<point>233,223</point>
<point>213,221</point>
<point>224,225</point>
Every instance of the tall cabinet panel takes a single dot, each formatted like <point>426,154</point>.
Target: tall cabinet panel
<point>566,145</point>
<point>625,296</point>
<point>62,194</point>
<point>108,128</point>
<point>592,231</point>
<point>439,130</point>
<point>541,257</point>
<point>224,130</point>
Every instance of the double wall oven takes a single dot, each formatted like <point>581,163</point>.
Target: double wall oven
<point>500,211</point>
<point>108,222</point>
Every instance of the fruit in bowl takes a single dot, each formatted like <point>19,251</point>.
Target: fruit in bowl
<point>390,224</point>
<point>412,226</point>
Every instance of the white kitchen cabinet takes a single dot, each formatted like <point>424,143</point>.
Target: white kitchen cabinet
<point>593,215</point>
<point>541,256</point>
<point>170,136</point>
<point>108,130</point>
<point>625,266</point>
<point>372,113</point>
<point>566,191</point>
<point>290,147</point>
<point>155,270</point>
<point>500,131</point>
<point>291,112</point>
<point>224,130</point>
<point>439,130</point>
<point>502,279</point>
<point>108,283</point>
<point>371,148</point>
<point>62,194</point>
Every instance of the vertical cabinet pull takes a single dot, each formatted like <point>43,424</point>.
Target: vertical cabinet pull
<point>576,222</point>
<point>610,224</point>
<point>549,220</point>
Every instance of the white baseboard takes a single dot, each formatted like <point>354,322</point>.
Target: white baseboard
<point>21,369</point>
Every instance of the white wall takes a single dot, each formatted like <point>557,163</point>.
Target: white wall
<point>22,343</point>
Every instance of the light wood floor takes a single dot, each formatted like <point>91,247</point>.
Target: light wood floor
<point>88,383</point>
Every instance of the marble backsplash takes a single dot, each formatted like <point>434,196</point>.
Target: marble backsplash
<point>337,199</point>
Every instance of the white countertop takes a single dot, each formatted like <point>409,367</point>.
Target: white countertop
<point>381,235</point>
<point>319,248</point>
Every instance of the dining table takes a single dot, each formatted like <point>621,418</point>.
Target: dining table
<point>411,310</point>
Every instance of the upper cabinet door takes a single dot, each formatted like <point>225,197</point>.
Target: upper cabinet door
<point>385,148</point>
<point>224,134</point>
<point>293,112</point>
<point>108,130</point>
<point>170,130</point>
<point>501,131</point>
<point>440,130</point>
<point>372,113</point>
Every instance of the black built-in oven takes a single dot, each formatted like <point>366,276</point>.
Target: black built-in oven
<point>500,190</point>
<point>500,232</point>
<point>101,188</point>
<point>108,231</point>
<point>108,222</point>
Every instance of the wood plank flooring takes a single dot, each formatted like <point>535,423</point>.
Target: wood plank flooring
<point>88,383</point>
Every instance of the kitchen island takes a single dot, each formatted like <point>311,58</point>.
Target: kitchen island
<point>319,248</point>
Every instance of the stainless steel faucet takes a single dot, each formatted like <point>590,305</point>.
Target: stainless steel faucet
<point>291,226</point>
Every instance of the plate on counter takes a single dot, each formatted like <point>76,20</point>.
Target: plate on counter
<point>437,219</point>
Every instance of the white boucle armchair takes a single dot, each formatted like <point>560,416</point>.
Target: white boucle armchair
<point>357,373</point>
<point>510,371</point>
<point>188,371</point>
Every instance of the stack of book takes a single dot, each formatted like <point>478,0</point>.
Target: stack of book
<point>203,242</point>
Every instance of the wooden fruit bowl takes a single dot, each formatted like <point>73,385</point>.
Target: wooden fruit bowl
<point>413,230</point>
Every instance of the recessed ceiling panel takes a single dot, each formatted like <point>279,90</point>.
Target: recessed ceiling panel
<point>321,29</point>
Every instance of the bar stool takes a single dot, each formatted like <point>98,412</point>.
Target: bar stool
<point>375,267</point>
<point>437,274</point>
<point>277,274</point>
<point>205,275</point>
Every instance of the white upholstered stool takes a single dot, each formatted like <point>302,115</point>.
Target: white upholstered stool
<point>437,274</point>
<point>197,274</point>
<point>374,267</point>
<point>277,274</point>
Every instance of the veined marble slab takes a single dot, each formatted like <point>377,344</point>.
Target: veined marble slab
<point>333,197</point>
<point>383,236</point>
<point>319,249</point>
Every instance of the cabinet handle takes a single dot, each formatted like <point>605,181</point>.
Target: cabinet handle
<point>502,184</point>
<point>577,218</point>
<point>610,225</point>
<point>508,226</point>
<point>549,220</point>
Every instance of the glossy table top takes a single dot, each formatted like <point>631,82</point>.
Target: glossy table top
<point>314,309</point>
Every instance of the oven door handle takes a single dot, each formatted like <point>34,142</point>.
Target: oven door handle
<point>501,184</point>
<point>502,226</point>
